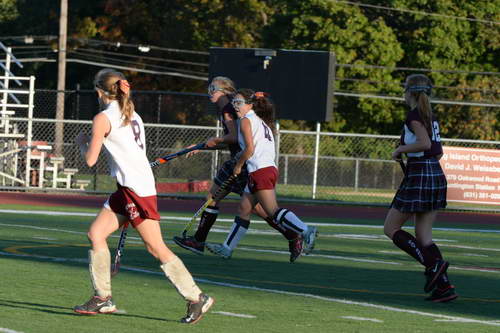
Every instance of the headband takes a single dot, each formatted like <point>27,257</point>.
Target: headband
<point>426,89</point>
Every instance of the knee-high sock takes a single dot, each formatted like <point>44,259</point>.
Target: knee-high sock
<point>290,221</point>
<point>207,220</point>
<point>238,231</point>
<point>409,244</point>
<point>287,233</point>
<point>433,250</point>
<point>100,272</point>
<point>182,280</point>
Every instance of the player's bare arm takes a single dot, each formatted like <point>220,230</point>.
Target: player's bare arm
<point>91,147</point>
<point>231,137</point>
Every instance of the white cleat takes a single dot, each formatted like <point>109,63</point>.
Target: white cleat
<point>309,239</point>
<point>219,250</point>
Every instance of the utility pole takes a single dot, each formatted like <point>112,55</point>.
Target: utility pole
<point>61,77</point>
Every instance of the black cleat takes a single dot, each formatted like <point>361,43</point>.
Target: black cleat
<point>196,310</point>
<point>96,305</point>
<point>433,273</point>
<point>295,246</point>
<point>190,243</point>
<point>443,295</point>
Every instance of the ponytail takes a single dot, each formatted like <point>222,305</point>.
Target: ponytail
<point>116,87</point>
<point>123,98</point>
<point>425,111</point>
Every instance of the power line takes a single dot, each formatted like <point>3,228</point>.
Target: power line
<point>107,65</point>
<point>147,57</point>
<point>135,63</point>
<point>404,10</point>
<point>137,46</point>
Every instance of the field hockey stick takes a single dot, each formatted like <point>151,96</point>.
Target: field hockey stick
<point>119,250</point>
<point>167,158</point>
<point>123,235</point>
<point>218,195</point>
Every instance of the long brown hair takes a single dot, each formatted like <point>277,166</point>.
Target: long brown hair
<point>420,87</point>
<point>116,87</point>
<point>262,105</point>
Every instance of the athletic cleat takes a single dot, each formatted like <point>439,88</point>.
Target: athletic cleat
<point>196,310</point>
<point>190,243</point>
<point>433,273</point>
<point>443,295</point>
<point>96,305</point>
<point>309,239</point>
<point>295,246</point>
<point>220,250</point>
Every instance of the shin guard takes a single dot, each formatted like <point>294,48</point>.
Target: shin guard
<point>182,280</point>
<point>100,272</point>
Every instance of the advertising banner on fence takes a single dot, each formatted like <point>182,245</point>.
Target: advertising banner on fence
<point>473,174</point>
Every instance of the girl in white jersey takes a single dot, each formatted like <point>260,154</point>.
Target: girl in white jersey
<point>120,129</point>
<point>256,139</point>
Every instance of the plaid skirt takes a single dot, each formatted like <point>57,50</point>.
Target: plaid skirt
<point>226,171</point>
<point>423,188</point>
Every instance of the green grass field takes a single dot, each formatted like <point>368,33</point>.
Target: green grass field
<point>355,281</point>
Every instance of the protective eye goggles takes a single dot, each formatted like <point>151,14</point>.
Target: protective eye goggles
<point>238,102</point>
<point>212,88</point>
<point>425,89</point>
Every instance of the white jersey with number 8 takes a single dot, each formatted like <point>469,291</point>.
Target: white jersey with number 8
<point>127,147</point>
<point>263,141</point>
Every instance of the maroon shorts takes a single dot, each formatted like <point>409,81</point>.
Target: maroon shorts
<point>262,179</point>
<point>135,208</point>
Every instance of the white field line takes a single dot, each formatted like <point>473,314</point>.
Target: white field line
<point>180,218</point>
<point>239,315</point>
<point>363,319</point>
<point>289,293</point>
<point>44,238</point>
<point>353,259</point>
<point>6,330</point>
<point>475,255</point>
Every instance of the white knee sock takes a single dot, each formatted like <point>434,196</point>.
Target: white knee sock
<point>289,220</point>
<point>100,272</point>
<point>238,231</point>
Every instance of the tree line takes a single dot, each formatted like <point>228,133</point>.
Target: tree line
<point>358,35</point>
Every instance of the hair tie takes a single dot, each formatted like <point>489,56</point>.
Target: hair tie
<point>261,94</point>
<point>124,86</point>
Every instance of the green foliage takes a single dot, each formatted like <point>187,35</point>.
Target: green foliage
<point>8,10</point>
<point>357,35</point>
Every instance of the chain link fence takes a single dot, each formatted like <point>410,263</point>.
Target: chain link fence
<point>333,167</point>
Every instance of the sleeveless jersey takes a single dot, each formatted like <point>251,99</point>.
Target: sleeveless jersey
<point>263,141</point>
<point>408,137</point>
<point>127,147</point>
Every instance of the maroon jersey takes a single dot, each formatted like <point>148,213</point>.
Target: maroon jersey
<point>234,148</point>
<point>408,137</point>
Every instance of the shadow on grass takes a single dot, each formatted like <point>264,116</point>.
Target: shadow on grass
<point>52,309</point>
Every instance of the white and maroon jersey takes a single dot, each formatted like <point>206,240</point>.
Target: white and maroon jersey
<point>263,141</point>
<point>127,147</point>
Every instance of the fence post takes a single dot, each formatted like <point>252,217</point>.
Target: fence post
<point>277,144</point>
<point>356,176</point>
<point>316,159</point>
<point>285,176</point>
<point>215,154</point>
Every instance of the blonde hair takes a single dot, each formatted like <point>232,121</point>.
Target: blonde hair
<point>420,87</point>
<point>116,87</point>
<point>224,83</point>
